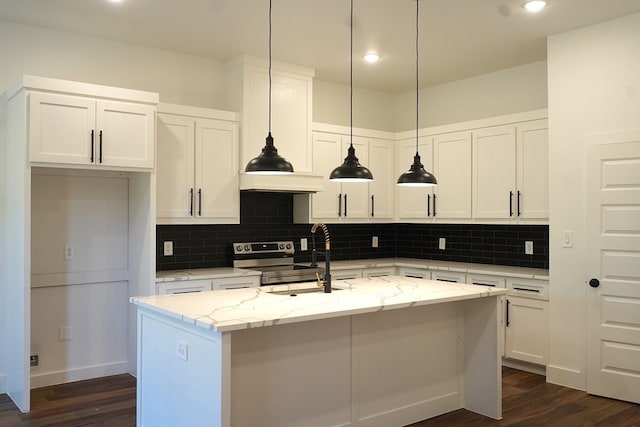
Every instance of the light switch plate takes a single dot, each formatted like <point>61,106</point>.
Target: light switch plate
<point>168,248</point>
<point>567,239</point>
<point>303,244</point>
<point>182,350</point>
<point>528,247</point>
<point>442,243</point>
<point>374,242</point>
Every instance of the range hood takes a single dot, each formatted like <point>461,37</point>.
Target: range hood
<point>292,183</point>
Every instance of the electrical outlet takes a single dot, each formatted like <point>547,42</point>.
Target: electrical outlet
<point>303,244</point>
<point>182,350</point>
<point>528,247</point>
<point>374,242</point>
<point>442,243</point>
<point>34,360</point>
<point>69,252</point>
<point>65,333</point>
<point>168,248</point>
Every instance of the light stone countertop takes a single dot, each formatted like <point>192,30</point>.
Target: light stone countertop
<point>462,267</point>
<point>229,310</point>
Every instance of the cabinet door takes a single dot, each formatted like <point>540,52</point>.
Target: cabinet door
<point>60,129</point>
<point>533,170</point>
<point>494,183</point>
<point>128,134</point>
<point>381,189</point>
<point>355,195</point>
<point>414,202</point>
<point>184,287</point>
<point>217,193</point>
<point>175,171</point>
<point>527,330</point>
<point>326,157</point>
<point>452,168</point>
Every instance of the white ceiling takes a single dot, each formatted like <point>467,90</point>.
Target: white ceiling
<point>458,38</point>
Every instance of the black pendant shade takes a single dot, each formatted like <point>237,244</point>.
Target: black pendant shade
<point>351,170</point>
<point>269,162</point>
<point>417,176</point>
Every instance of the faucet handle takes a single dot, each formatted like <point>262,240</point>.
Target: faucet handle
<point>320,281</point>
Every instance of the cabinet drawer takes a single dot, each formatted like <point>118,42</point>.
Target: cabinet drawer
<point>183,287</point>
<point>448,276</point>
<point>417,273</point>
<point>378,272</point>
<point>236,283</point>
<point>486,280</point>
<point>346,274</point>
<point>529,288</point>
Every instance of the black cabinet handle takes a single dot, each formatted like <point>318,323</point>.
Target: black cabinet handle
<point>428,204</point>
<point>100,156</point>
<point>507,317</point>
<point>537,291</point>
<point>199,201</point>
<point>434,205</point>
<point>373,210</point>
<point>340,204</point>
<point>594,283</point>
<point>92,143</point>
<point>345,205</point>
<point>518,202</point>
<point>191,201</point>
<point>510,203</point>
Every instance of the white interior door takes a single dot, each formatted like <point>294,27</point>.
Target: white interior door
<point>613,268</point>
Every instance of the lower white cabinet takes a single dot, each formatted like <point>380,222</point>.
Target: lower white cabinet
<point>449,276</point>
<point>354,273</point>
<point>379,272</point>
<point>527,321</point>
<point>418,273</point>
<point>236,282</point>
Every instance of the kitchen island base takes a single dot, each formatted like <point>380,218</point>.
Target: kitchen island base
<point>384,368</point>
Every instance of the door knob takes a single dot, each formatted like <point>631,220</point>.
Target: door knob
<point>594,283</point>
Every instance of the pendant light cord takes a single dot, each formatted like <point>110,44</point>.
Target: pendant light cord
<point>351,79</point>
<point>269,67</point>
<point>417,85</point>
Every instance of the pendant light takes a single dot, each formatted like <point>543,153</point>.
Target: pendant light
<point>351,170</point>
<point>416,176</point>
<point>269,162</point>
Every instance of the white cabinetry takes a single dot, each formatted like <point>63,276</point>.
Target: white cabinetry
<point>418,273</point>
<point>82,131</point>
<point>527,321</point>
<point>349,201</point>
<point>448,276</point>
<point>183,287</point>
<point>354,273</point>
<point>510,171</point>
<point>378,272</point>
<point>291,104</point>
<point>197,166</point>
<point>448,157</point>
<point>235,282</point>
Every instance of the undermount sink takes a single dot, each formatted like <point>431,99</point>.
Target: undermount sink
<point>295,292</point>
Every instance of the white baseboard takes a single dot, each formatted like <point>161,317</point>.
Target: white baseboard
<point>60,377</point>
<point>524,366</point>
<point>566,377</point>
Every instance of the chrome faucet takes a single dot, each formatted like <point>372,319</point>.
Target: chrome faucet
<point>326,281</point>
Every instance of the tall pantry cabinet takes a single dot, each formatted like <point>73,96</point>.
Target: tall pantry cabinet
<point>78,229</point>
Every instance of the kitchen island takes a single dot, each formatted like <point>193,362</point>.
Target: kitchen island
<point>385,351</point>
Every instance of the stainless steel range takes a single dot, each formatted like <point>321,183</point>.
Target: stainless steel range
<point>275,261</point>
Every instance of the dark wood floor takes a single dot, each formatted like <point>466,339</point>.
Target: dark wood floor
<point>527,401</point>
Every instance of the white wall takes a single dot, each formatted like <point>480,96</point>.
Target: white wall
<point>594,86</point>
<point>179,79</point>
<point>513,90</point>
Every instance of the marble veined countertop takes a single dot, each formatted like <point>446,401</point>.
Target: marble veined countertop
<point>229,310</point>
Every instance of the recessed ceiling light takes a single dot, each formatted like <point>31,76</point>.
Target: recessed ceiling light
<point>535,5</point>
<point>371,57</point>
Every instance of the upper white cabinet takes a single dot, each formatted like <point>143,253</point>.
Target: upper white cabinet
<point>510,171</point>
<point>448,157</point>
<point>85,131</point>
<point>291,104</point>
<point>197,171</point>
<point>349,201</point>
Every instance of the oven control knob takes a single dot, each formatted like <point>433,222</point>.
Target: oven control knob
<point>247,247</point>
<point>239,248</point>
<point>288,245</point>
<point>281,246</point>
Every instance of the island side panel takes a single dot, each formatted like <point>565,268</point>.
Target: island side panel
<point>296,374</point>
<point>183,373</point>
<point>406,364</point>
<point>481,359</point>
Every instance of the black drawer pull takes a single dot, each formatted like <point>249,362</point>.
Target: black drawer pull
<point>527,290</point>
<point>484,284</point>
